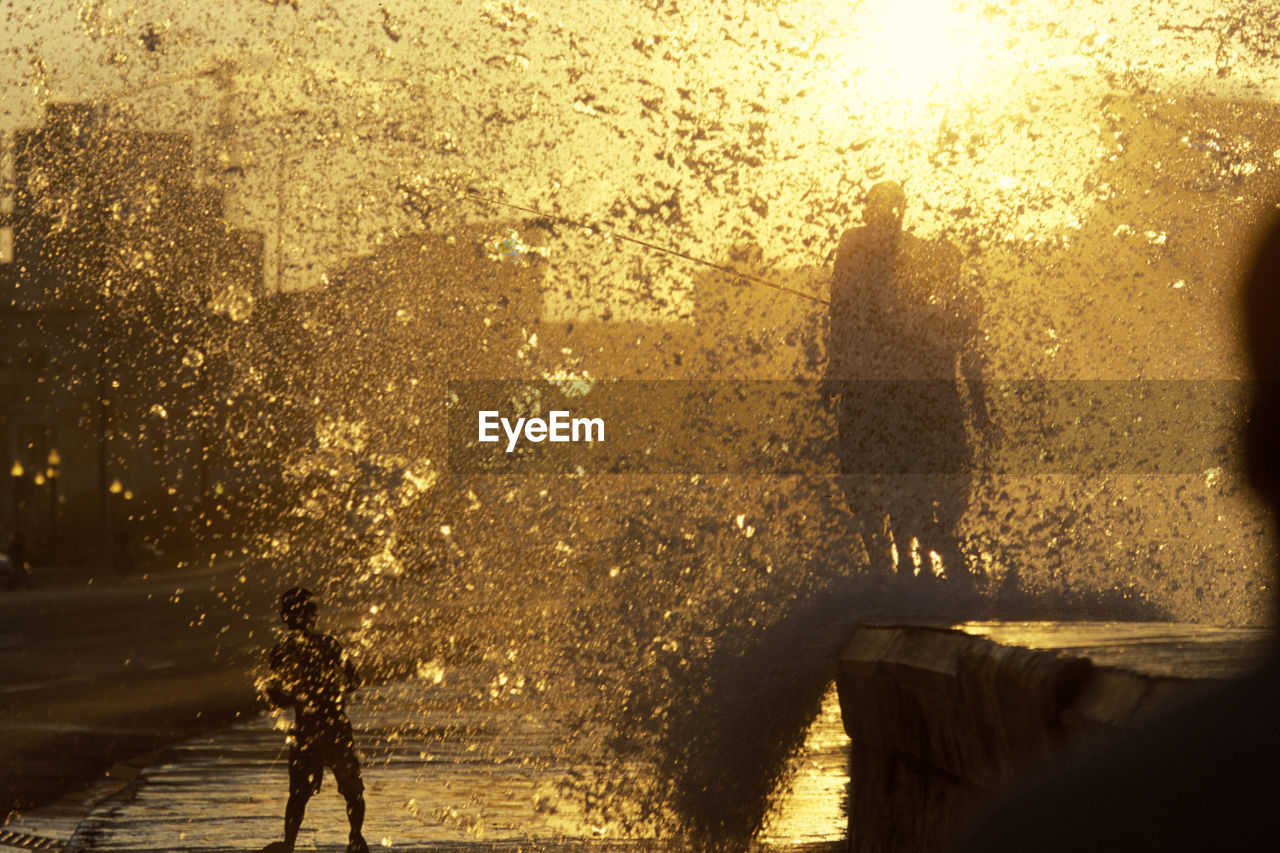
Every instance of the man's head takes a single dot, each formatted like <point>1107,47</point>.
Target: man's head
<point>297,608</point>
<point>886,202</point>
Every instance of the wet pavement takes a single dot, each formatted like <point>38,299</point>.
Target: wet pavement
<point>96,669</point>
<point>445,769</point>
<point>131,695</point>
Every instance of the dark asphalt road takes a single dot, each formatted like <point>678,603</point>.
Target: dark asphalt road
<point>97,671</point>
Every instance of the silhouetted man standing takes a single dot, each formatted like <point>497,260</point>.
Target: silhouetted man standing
<point>310,673</point>
<point>903,331</point>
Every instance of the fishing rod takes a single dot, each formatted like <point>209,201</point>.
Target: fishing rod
<point>595,228</point>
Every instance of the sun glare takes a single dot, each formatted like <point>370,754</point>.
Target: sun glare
<point>912,50</point>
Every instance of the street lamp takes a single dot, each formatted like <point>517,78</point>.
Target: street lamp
<point>16,471</point>
<point>51,473</point>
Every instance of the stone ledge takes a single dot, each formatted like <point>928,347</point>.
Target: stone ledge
<point>943,718</point>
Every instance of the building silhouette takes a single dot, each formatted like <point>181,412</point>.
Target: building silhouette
<point>118,274</point>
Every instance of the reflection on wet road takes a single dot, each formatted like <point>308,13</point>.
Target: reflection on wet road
<point>443,770</point>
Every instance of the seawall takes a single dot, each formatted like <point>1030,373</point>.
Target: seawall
<point>943,719</point>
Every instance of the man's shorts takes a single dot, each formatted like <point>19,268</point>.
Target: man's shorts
<point>310,754</point>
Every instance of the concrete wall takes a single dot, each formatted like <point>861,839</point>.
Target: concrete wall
<point>944,719</point>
